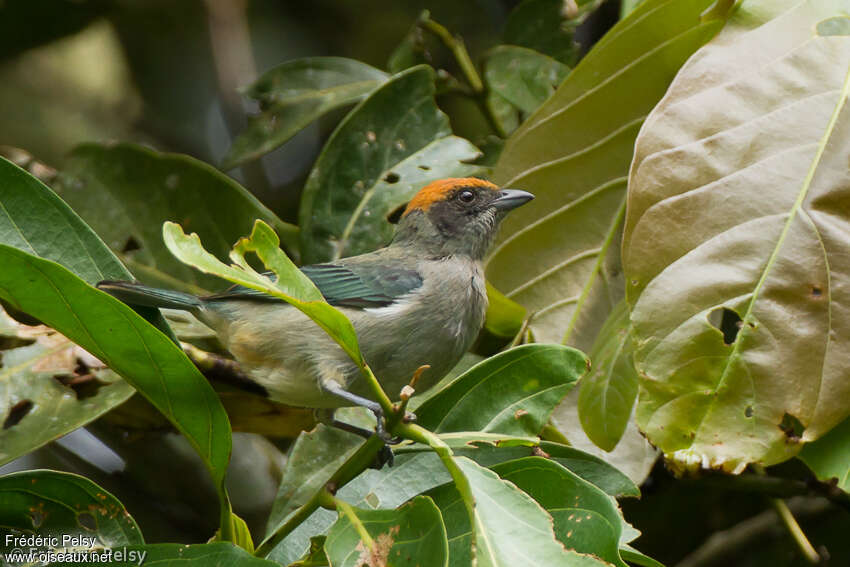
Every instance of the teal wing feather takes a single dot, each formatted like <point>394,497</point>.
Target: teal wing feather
<point>348,286</point>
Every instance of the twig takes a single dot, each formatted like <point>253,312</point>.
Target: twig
<point>724,545</point>
<point>791,524</point>
<point>346,510</point>
<point>456,45</point>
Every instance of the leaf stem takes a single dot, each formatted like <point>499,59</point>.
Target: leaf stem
<point>421,435</point>
<point>456,45</point>
<point>346,510</point>
<point>791,525</point>
<point>356,463</point>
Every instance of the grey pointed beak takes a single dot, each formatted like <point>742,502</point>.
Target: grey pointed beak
<point>510,199</point>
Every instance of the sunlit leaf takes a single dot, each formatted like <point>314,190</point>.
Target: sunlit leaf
<point>735,244</point>
<point>290,284</point>
<point>574,153</point>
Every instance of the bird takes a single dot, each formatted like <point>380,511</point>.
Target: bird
<point>419,301</point>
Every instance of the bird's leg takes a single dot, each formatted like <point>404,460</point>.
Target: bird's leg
<point>337,390</point>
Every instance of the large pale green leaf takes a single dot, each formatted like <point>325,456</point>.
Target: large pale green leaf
<point>114,334</point>
<point>412,535</point>
<point>51,503</point>
<point>125,192</point>
<point>607,394</point>
<point>511,393</point>
<point>509,529</point>
<point>523,77</point>
<point>294,94</point>
<point>736,242</point>
<point>574,155</point>
<point>290,283</point>
<point>382,153</point>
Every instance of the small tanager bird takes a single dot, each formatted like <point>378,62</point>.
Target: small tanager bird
<point>421,300</point>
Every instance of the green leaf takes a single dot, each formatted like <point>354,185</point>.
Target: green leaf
<point>504,317</point>
<point>586,519</point>
<point>294,94</point>
<point>829,456</point>
<point>42,394</point>
<point>51,503</point>
<point>607,394</point>
<point>33,219</point>
<point>589,467</point>
<point>523,77</point>
<point>548,26</point>
<point>585,133</point>
<point>510,527</point>
<point>382,153</point>
<point>125,192</point>
<point>313,458</point>
<point>114,334</point>
<point>413,534</point>
<point>511,393</point>
<point>738,301</point>
<point>290,285</point>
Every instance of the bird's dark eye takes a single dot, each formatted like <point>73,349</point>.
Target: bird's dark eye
<point>466,196</point>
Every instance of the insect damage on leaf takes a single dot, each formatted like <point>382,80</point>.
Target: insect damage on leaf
<point>380,552</point>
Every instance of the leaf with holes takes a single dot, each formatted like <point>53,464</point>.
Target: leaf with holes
<point>586,519</point>
<point>574,153</point>
<point>36,405</point>
<point>510,527</point>
<point>114,334</point>
<point>51,503</point>
<point>294,94</point>
<point>413,534</point>
<point>607,394</point>
<point>125,192</point>
<point>511,393</point>
<point>383,152</point>
<point>736,238</point>
<point>48,387</point>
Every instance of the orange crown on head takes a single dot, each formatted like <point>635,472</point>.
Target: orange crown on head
<point>440,189</point>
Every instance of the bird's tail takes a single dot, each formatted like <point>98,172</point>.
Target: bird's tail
<point>134,293</point>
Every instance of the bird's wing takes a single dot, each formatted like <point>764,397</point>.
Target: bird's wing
<point>348,286</point>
